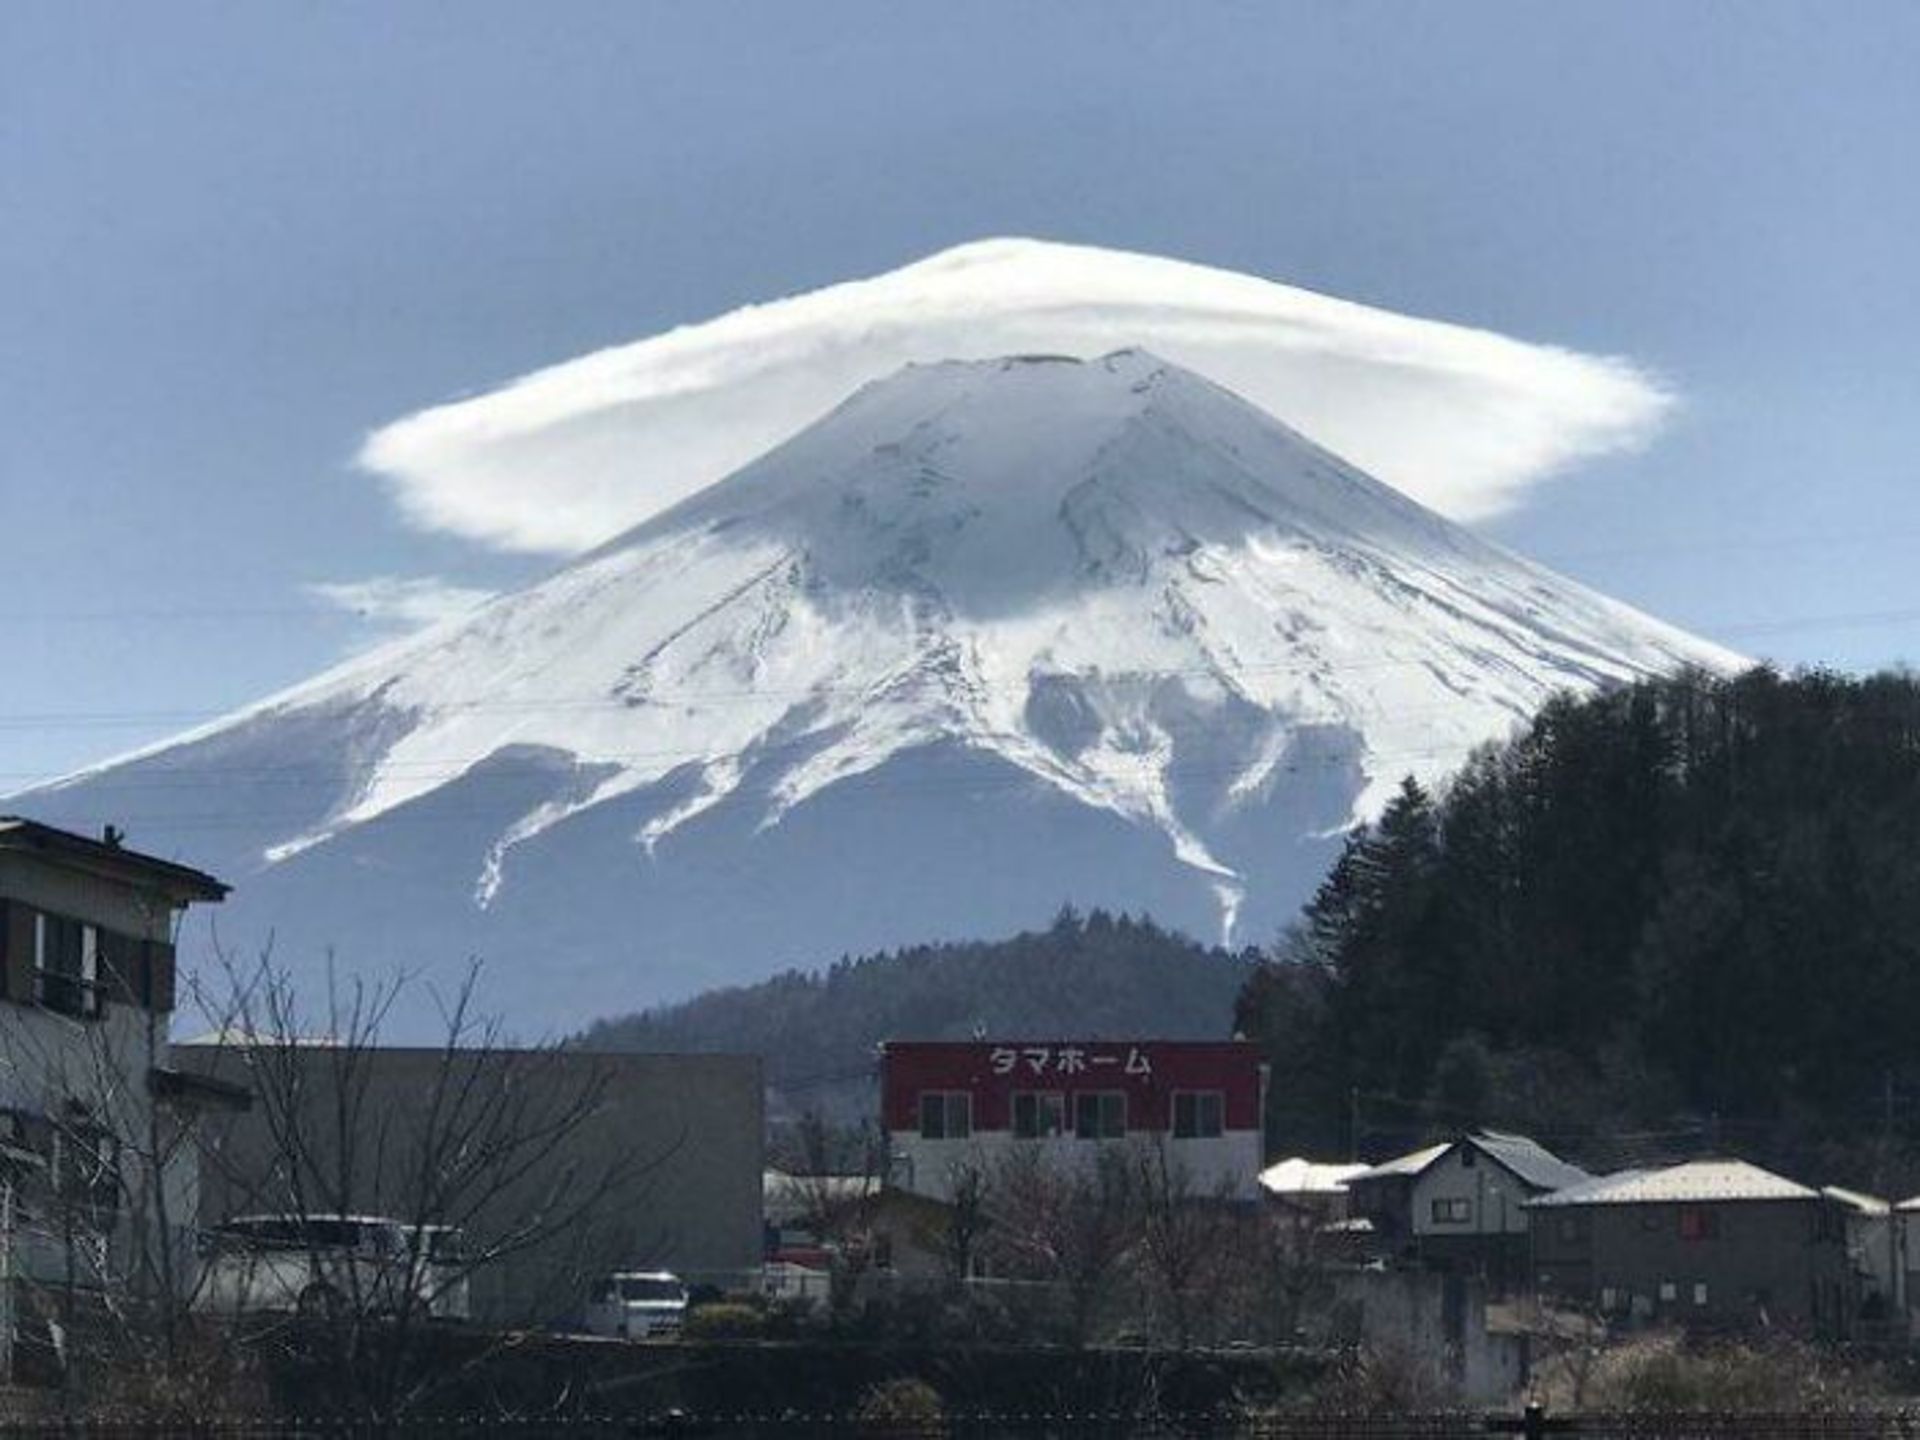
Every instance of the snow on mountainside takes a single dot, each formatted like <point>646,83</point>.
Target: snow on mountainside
<point>988,637</point>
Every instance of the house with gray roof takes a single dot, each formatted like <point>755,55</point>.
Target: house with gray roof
<point>1461,1205</point>
<point>1707,1245</point>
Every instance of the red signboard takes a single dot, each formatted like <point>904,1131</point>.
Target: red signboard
<point>1148,1072</point>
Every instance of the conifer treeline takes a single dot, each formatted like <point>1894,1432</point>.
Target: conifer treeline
<point>1687,905</point>
<point>1086,976</point>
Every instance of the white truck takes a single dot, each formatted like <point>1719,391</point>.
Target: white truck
<point>633,1304</point>
<point>319,1265</point>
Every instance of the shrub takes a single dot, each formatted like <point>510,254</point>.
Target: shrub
<point>905,1407</point>
<point>1664,1372</point>
<point>727,1320</point>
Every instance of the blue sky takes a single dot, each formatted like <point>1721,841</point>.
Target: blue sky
<point>235,238</point>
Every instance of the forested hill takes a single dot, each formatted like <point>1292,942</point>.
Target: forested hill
<point>1088,976</point>
<point>1685,914</point>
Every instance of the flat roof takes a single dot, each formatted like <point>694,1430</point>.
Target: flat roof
<point>115,860</point>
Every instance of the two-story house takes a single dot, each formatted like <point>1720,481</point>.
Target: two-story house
<point>92,1155</point>
<point>951,1104</point>
<point>1462,1205</point>
<point>1709,1245</point>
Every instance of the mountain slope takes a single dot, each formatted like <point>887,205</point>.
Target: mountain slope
<point>1118,978</point>
<point>988,637</point>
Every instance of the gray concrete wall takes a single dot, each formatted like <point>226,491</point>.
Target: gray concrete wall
<point>670,1157</point>
<point>1436,1321</point>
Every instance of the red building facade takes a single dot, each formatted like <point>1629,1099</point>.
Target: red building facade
<point>944,1101</point>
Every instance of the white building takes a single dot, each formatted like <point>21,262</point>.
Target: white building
<point>97,1171</point>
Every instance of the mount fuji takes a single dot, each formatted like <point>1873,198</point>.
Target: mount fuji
<point>989,637</point>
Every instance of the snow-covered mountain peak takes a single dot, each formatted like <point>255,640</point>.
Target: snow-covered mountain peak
<point>988,636</point>
<point>1003,480</point>
<point>556,461</point>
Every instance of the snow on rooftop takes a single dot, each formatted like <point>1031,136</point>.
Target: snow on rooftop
<point>1696,1182</point>
<point>1298,1175</point>
<point>1409,1164</point>
<point>1857,1200</point>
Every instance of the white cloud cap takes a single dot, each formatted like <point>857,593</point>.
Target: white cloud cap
<point>1463,420</point>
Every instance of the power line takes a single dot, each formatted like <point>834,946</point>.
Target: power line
<point>1549,557</point>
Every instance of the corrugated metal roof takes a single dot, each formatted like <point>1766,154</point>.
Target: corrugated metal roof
<point>1298,1175</point>
<point>1530,1160</point>
<point>1696,1182</point>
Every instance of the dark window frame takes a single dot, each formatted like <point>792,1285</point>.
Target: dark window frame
<point>66,966</point>
<point>942,1103</point>
<point>1194,1125</point>
<point>1033,1125</point>
<point>1100,1115</point>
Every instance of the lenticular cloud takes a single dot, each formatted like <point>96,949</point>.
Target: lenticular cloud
<point>1462,420</point>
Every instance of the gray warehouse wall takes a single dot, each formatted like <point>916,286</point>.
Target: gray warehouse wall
<point>676,1141</point>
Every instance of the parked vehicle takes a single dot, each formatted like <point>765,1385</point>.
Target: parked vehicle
<point>320,1264</point>
<point>636,1303</point>
<point>445,1271</point>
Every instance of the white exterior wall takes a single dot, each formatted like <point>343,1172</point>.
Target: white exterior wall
<point>1228,1163</point>
<point>1494,1195</point>
<point>48,1059</point>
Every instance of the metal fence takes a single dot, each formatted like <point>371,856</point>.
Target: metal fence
<point>1860,1425</point>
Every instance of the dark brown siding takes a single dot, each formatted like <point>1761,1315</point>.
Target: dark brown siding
<point>160,976</point>
<point>19,951</point>
<point>118,962</point>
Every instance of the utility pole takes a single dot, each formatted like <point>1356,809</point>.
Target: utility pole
<point>6,1282</point>
<point>1884,1160</point>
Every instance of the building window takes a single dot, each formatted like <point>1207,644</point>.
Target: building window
<point>1452,1212</point>
<point>1609,1299</point>
<point>1700,1292</point>
<point>86,1168</point>
<point>1100,1115</point>
<point>1198,1114</point>
<point>945,1115</point>
<point>1469,1157</point>
<point>1039,1114</point>
<point>66,965</point>
<point>1569,1227</point>
<point>1698,1223</point>
<point>1669,1292</point>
